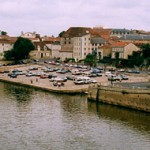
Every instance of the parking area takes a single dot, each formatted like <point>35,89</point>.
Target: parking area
<point>48,74</point>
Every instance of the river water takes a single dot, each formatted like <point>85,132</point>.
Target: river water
<point>36,120</point>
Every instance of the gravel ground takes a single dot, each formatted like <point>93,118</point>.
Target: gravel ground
<point>69,84</point>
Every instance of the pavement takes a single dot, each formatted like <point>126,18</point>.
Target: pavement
<point>69,86</point>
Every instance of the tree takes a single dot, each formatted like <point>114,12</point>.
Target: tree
<point>4,33</point>
<point>8,55</point>
<point>61,33</point>
<point>146,51</point>
<point>90,60</point>
<point>21,49</point>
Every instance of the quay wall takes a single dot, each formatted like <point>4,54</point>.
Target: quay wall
<point>49,89</point>
<point>131,98</point>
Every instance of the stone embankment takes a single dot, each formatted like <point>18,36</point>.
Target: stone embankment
<point>42,84</point>
<point>106,93</point>
<point>127,97</point>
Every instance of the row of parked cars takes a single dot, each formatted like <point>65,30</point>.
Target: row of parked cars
<point>114,77</point>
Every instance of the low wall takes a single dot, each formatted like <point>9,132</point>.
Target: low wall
<point>49,89</point>
<point>130,98</point>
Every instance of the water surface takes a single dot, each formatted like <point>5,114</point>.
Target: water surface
<point>36,120</point>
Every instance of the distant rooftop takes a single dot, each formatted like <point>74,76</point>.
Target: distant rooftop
<point>77,32</point>
<point>121,30</point>
<point>135,37</point>
<point>97,40</point>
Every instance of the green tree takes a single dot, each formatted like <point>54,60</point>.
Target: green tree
<point>117,59</point>
<point>61,33</point>
<point>146,52</point>
<point>4,33</point>
<point>21,49</point>
<point>90,60</point>
<point>8,55</point>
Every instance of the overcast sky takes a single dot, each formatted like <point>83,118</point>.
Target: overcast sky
<point>50,17</point>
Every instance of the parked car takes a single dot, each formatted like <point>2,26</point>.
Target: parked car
<point>108,73</point>
<point>52,76</point>
<point>12,75</point>
<point>124,77</point>
<point>79,82</point>
<point>58,79</point>
<point>70,77</point>
<point>136,71</point>
<point>29,74</point>
<point>114,78</point>
<point>43,76</point>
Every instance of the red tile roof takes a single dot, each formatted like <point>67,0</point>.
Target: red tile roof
<point>77,32</point>
<point>7,39</point>
<point>51,39</point>
<point>119,44</point>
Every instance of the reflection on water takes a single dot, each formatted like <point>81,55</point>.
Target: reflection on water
<point>21,93</point>
<point>33,119</point>
<point>132,118</point>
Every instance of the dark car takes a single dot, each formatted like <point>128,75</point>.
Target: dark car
<point>136,71</point>
<point>52,76</point>
<point>13,75</point>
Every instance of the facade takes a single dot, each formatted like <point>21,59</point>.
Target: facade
<point>123,50</point>
<point>81,47</point>
<point>55,48</point>
<point>6,43</point>
<point>53,43</point>
<point>97,42</point>
<point>32,36</point>
<point>41,49</point>
<point>104,51</point>
<point>77,41</point>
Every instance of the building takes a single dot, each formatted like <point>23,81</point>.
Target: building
<point>102,32</point>
<point>75,43</point>
<point>53,43</point>
<point>97,42</point>
<point>104,51</point>
<point>119,32</point>
<point>6,43</point>
<point>33,36</point>
<point>137,39</point>
<point>41,49</point>
<point>78,42</point>
<point>123,50</point>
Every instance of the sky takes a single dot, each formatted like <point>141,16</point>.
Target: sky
<point>50,17</point>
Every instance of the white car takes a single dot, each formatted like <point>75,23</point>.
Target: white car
<point>108,73</point>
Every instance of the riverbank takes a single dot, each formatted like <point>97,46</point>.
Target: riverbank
<point>68,88</point>
<point>138,99</point>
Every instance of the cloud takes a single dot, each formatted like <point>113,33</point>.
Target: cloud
<point>51,17</point>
